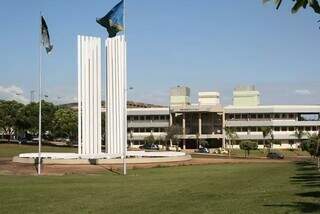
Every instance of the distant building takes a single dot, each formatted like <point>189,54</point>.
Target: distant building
<point>247,118</point>
<point>206,119</point>
<point>201,121</point>
<point>246,96</point>
<point>143,122</point>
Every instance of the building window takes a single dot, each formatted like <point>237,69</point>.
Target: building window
<point>283,128</point>
<point>141,117</point>
<point>244,129</point>
<point>245,116</point>
<point>260,116</point>
<point>277,129</point>
<point>291,128</point>
<point>308,117</point>
<point>231,116</point>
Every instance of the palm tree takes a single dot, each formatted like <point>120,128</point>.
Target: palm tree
<point>266,131</point>
<point>315,139</point>
<point>299,134</point>
<point>197,138</point>
<point>299,4</point>
<point>231,136</point>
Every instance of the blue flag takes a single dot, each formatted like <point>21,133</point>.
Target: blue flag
<point>113,21</point>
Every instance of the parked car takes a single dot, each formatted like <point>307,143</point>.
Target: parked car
<point>23,141</point>
<point>275,155</point>
<point>203,150</point>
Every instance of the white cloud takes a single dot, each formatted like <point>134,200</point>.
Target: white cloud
<point>12,93</point>
<point>302,92</point>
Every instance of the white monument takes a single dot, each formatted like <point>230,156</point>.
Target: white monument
<point>89,111</point>
<point>89,95</point>
<point>116,95</point>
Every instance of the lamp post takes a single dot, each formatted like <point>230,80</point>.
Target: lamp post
<point>125,132</point>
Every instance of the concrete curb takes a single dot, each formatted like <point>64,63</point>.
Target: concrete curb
<point>104,161</point>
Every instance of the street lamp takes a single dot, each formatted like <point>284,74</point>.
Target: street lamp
<point>125,132</point>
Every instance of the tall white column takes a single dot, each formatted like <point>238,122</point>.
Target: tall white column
<point>89,95</point>
<point>116,95</point>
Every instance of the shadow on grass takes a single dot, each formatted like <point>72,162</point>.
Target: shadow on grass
<point>302,207</point>
<point>307,175</point>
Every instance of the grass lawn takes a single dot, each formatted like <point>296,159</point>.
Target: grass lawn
<point>225,188</point>
<point>10,150</point>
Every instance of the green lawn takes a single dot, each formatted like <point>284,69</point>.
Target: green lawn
<point>10,150</point>
<point>225,188</point>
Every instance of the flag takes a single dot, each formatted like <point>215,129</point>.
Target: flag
<point>45,38</point>
<point>113,21</point>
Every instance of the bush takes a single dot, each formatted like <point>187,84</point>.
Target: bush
<point>247,146</point>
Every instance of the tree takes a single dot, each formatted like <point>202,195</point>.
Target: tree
<point>198,138</point>
<point>204,143</point>
<point>130,136</point>
<point>150,140</point>
<point>312,145</point>
<point>28,117</point>
<point>298,4</point>
<point>9,117</point>
<point>247,146</point>
<point>66,123</point>
<point>267,131</point>
<point>172,132</point>
<point>231,136</point>
<point>299,134</point>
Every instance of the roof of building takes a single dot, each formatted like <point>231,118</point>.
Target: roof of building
<point>273,108</point>
<point>198,108</point>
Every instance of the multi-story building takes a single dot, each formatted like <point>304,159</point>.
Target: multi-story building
<point>201,121</point>
<point>247,117</point>
<point>206,119</point>
<point>143,122</point>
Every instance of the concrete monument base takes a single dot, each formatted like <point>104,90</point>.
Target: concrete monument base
<point>133,157</point>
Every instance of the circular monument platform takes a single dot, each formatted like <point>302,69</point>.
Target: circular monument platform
<point>133,157</point>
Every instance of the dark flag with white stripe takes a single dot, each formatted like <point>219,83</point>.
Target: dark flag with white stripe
<point>45,37</point>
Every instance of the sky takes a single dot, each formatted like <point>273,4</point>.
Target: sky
<point>207,45</point>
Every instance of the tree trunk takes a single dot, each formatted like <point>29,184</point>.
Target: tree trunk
<point>229,152</point>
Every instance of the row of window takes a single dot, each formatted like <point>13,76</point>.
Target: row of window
<point>148,130</point>
<point>148,117</point>
<point>277,128</point>
<point>300,116</point>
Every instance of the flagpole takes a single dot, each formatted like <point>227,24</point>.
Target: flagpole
<point>125,94</point>
<point>40,100</point>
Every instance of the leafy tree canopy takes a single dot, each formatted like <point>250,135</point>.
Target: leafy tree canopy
<point>298,4</point>
<point>248,145</point>
<point>65,123</point>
